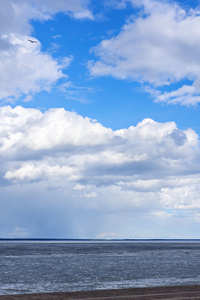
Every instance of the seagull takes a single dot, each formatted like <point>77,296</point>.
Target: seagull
<point>32,41</point>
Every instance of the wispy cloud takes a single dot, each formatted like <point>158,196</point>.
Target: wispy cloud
<point>186,95</point>
<point>77,93</point>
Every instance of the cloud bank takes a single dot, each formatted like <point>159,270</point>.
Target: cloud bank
<point>145,173</point>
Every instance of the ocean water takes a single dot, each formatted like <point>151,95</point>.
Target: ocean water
<point>34,267</point>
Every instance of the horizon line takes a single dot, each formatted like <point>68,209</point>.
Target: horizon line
<point>97,239</point>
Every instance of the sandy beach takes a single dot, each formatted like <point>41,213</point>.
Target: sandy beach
<point>173,292</point>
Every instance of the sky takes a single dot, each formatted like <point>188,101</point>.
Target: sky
<point>99,119</point>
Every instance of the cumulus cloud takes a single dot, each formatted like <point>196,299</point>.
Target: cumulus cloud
<point>26,69</point>
<point>56,128</point>
<point>79,171</point>
<point>38,146</point>
<point>32,171</point>
<point>87,143</point>
<point>159,47</point>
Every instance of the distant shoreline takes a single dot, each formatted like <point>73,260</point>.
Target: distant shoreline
<point>191,291</point>
<point>97,240</point>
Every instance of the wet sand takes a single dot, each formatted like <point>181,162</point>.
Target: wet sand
<point>173,292</point>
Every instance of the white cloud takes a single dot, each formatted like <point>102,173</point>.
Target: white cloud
<point>83,15</point>
<point>16,15</point>
<point>77,8</point>
<point>160,46</point>
<point>60,164</point>
<point>186,95</point>
<point>57,130</point>
<point>79,187</point>
<point>32,171</point>
<point>62,143</point>
<point>24,67</point>
<point>77,93</point>
<point>90,195</point>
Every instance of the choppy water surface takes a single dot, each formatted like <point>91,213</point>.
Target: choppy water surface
<point>51,267</point>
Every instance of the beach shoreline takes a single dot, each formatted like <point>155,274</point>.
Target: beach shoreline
<point>164,292</point>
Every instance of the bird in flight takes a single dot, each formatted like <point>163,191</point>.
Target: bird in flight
<point>32,41</point>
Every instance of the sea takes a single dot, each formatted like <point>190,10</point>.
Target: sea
<point>32,266</point>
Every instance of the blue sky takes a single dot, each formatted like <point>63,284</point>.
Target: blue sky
<point>99,119</point>
<point>113,102</point>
